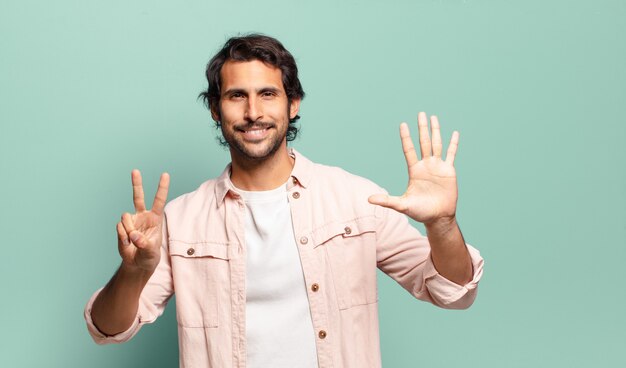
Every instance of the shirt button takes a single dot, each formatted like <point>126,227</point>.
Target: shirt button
<point>294,180</point>
<point>315,287</point>
<point>304,240</point>
<point>190,251</point>
<point>322,334</point>
<point>296,195</point>
<point>347,230</point>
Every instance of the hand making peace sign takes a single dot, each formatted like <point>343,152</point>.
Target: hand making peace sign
<point>431,194</point>
<point>139,236</point>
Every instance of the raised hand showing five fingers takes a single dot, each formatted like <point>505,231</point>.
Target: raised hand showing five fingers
<point>431,194</point>
<point>140,234</point>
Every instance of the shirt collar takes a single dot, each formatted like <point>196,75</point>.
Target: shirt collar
<point>302,170</point>
<point>300,175</point>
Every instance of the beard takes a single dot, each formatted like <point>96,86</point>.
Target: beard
<point>255,151</point>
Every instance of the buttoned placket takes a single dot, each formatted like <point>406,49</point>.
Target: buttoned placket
<point>298,204</point>
<point>236,208</point>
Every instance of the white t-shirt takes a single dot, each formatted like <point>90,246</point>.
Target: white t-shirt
<point>279,329</point>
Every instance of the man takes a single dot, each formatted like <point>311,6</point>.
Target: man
<point>274,262</point>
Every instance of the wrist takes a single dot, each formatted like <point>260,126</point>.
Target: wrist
<point>135,272</point>
<point>441,225</point>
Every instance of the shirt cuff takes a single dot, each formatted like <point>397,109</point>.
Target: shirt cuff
<point>448,294</point>
<point>102,339</point>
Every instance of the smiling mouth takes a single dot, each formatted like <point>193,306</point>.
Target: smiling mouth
<point>255,132</point>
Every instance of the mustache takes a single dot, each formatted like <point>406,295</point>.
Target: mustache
<point>253,125</point>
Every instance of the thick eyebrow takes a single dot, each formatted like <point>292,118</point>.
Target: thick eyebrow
<point>273,90</point>
<point>261,90</point>
<point>232,91</point>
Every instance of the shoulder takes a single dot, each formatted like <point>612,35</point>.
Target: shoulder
<point>337,177</point>
<point>321,175</point>
<point>339,197</point>
<point>341,193</point>
<point>204,193</point>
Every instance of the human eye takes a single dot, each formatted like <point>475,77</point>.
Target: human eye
<point>235,95</point>
<point>268,94</point>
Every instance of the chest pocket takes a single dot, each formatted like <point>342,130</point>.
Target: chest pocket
<point>350,250</point>
<point>200,271</point>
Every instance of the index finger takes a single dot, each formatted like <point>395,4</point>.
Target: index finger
<point>161,195</point>
<point>407,145</point>
<point>454,143</point>
<point>140,204</point>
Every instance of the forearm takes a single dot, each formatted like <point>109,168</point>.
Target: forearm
<point>448,251</point>
<point>115,308</point>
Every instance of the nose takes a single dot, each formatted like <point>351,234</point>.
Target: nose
<point>254,110</point>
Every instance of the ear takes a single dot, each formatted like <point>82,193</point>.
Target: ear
<point>294,107</point>
<point>215,112</point>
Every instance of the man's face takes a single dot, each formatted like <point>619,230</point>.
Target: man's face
<point>253,109</point>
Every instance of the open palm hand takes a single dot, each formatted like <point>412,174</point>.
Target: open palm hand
<point>431,193</point>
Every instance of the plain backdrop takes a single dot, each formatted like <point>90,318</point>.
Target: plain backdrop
<point>90,90</point>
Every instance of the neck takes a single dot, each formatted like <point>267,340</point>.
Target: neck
<point>266,174</point>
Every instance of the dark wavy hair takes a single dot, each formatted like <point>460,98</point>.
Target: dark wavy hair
<point>254,47</point>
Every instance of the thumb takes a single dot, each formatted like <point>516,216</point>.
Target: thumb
<point>138,239</point>
<point>388,201</point>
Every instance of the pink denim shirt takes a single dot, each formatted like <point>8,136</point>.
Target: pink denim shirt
<point>341,239</point>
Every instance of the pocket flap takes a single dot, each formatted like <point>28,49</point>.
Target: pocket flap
<point>198,249</point>
<point>348,228</point>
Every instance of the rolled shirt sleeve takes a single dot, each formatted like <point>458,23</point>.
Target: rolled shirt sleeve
<point>152,302</point>
<point>403,253</point>
<point>146,313</point>
<point>447,294</point>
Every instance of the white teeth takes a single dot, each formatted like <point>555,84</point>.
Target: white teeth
<point>255,131</point>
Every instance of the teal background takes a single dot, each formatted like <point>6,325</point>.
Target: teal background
<point>90,90</point>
